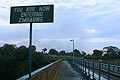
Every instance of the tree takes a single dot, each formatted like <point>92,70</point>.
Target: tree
<point>53,52</point>
<point>97,53</point>
<point>62,52</point>
<point>22,53</point>
<point>111,52</point>
<point>8,49</point>
<point>83,53</point>
<point>7,68</point>
<point>45,49</point>
<point>14,61</point>
<point>77,52</point>
<point>33,47</point>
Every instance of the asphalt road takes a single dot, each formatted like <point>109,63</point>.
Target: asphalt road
<point>67,73</point>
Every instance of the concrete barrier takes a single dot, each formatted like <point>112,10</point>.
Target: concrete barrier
<point>45,73</point>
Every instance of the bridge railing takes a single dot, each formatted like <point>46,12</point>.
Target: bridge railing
<point>89,67</point>
<point>45,73</point>
<point>104,66</point>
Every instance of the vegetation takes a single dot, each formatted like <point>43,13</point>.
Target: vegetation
<point>14,61</point>
<point>108,53</point>
<point>53,52</point>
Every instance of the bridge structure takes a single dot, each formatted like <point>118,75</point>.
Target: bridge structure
<point>80,69</point>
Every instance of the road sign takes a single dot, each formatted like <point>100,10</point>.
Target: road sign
<point>32,14</point>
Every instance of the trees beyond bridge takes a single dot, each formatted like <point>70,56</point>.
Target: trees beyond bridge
<point>14,61</point>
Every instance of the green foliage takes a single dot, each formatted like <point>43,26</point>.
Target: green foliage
<point>22,53</point>
<point>14,61</point>
<point>108,53</point>
<point>83,54</point>
<point>77,53</point>
<point>97,52</point>
<point>45,49</point>
<point>53,52</point>
<point>62,52</point>
<point>111,52</point>
<point>7,50</point>
<point>33,47</point>
<point>7,65</point>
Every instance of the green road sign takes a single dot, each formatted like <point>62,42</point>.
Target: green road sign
<point>32,14</point>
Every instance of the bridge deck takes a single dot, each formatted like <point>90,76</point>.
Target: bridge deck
<point>67,73</point>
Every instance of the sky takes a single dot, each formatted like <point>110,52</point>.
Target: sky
<point>93,24</point>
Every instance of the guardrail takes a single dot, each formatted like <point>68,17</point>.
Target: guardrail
<point>89,67</point>
<point>45,73</point>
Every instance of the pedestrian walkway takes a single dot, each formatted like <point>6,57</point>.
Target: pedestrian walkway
<point>67,73</point>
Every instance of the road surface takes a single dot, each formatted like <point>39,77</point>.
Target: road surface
<point>67,73</point>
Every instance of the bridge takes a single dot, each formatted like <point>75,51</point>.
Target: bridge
<point>80,69</point>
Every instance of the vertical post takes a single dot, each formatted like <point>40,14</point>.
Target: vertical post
<point>88,68</point>
<point>85,67</point>
<point>30,51</point>
<point>73,49</point>
<point>118,68</point>
<point>102,65</point>
<point>93,71</point>
<point>99,69</point>
<point>108,71</point>
<point>80,63</point>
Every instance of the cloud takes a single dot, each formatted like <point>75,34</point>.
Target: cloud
<point>91,31</point>
<point>104,40</point>
<point>96,13</point>
<point>16,42</point>
<point>3,22</point>
<point>58,43</point>
<point>104,7</point>
<point>58,39</point>
<point>73,19</point>
<point>89,7</point>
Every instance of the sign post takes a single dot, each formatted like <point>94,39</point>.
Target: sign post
<point>30,51</point>
<point>32,14</point>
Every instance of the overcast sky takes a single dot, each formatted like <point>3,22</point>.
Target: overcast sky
<point>93,24</point>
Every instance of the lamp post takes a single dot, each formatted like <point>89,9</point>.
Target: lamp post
<point>73,49</point>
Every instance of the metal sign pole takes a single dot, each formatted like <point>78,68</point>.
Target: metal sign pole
<point>41,14</point>
<point>30,52</point>
<point>73,51</point>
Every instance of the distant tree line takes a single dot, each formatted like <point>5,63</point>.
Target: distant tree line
<point>77,53</point>
<point>107,53</point>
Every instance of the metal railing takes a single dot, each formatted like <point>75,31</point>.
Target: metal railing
<point>89,67</point>
<point>45,73</point>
